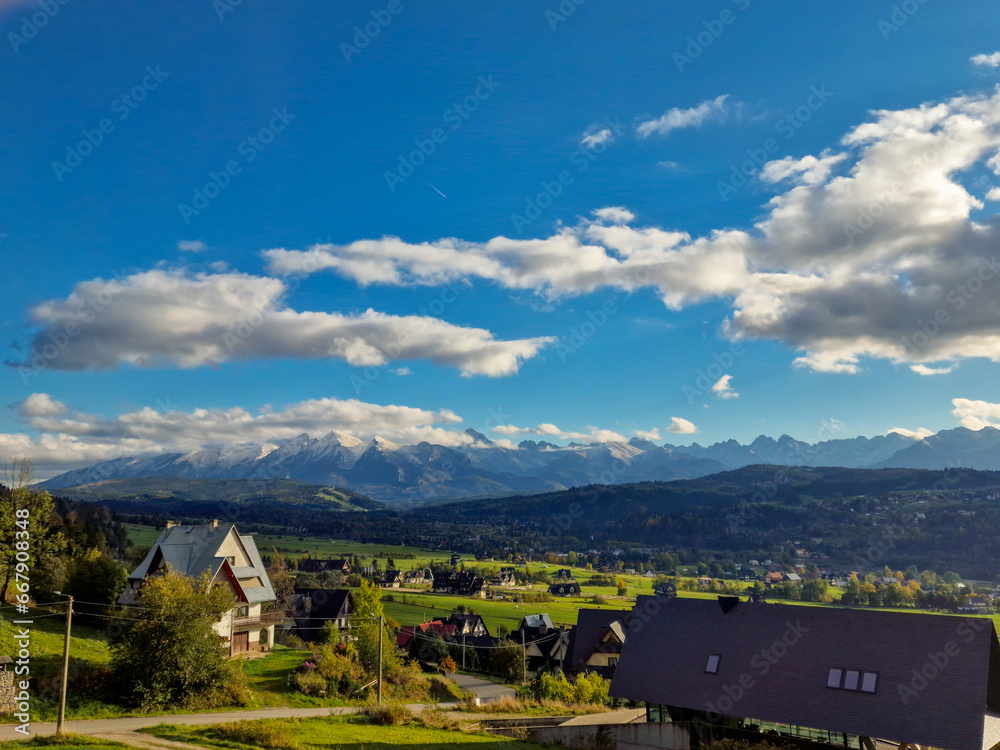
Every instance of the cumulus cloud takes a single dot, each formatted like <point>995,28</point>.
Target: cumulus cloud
<point>976,414</point>
<point>165,317</point>
<point>191,246</point>
<point>986,61</point>
<point>912,434</point>
<point>41,405</point>
<point>869,250</point>
<point>653,434</point>
<point>596,137</point>
<point>65,440</point>
<point>673,119</point>
<point>993,194</point>
<point>722,389</point>
<point>681,426</point>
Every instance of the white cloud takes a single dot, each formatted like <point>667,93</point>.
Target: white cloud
<point>852,261</point>
<point>668,164</point>
<point>191,246</point>
<point>614,215</point>
<point>925,370</point>
<point>41,405</point>
<point>976,414</point>
<point>653,434</point>
<point>163,317</point>
<point>986,61</point>
<point>805,171</point>
<point>548,430</point>
<point>681,426</point>
<point>722,389</point>
<point>993,194</point>
<point>66,440</point>
<point>597,137</point>
<point>912,434</point>
<point>673,119</point>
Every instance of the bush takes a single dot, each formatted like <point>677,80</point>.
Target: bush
<point>265,733</point>
<point>444,690</point>
<point>391,713</point>
<point>286,638</point>
<point>437,718</point>
<point>309,682</point>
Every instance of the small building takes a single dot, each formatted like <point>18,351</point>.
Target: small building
<point>462,583</point>
<point>437,627</point>
<point>567,588</point>
<point>230,559</point>
<point>310,565</point>
<point>456,558</point>
<point>312,609</point>
<point>503,577</point>
<point>596,641</point>
<point>467,624</point>
<point>390,579</point>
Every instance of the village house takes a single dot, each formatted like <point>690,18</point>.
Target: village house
<point>460,584</point>
<point>312,609</point>
<point>467,624</point>
<point>390,579</point>
<point>731,669</point>
<point>310,565</point>
<point>228,559</point>
<point>408,632</point>
<point>567,588</point>
<point>503,577</point>
<point>595,643</point>
<point>545,645</point>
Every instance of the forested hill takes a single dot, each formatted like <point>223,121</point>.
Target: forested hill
<point>751,484</point>
<point>211,497</point>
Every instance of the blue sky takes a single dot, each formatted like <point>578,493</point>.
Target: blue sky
<point>248,222</point>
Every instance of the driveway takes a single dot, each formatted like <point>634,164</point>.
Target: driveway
<point>486,691</point>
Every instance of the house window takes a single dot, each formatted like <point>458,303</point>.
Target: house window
<point>713,664</point>
<point>243,612</point>
<point>232,559</point>
<point>854,680</point>
<point>612,661</point>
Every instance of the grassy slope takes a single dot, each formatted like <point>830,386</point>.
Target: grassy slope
<point>351,734</point>
<point>48,633</point>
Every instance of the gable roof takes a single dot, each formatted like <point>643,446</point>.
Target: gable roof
<point>327,604</point>
<point>535,621</point>
<point>586,637</point>
<point>194,550</point>
<point>781,656</point>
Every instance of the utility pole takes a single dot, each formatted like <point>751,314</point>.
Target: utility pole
<point>65,674</point>
<point>380,628</point>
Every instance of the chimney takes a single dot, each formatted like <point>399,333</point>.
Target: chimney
<point>214,523</point>
<point>171,524</point>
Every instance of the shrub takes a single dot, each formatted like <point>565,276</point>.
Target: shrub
<point>391,713</point>
<point>266,733</point>
<point>437,718</point>
<point>309,682</point>
<point>444,690</point>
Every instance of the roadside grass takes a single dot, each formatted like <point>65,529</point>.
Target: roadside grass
<point>66,742</point>
<point>348,733</point>
<point>533,707</point>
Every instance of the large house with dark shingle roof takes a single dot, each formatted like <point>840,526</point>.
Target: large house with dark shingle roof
<point>229,559</point>
<point>731,668</point>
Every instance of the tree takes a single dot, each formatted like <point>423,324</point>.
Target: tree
<point>364,629</point>
<point>281,581</point>
<point>622,587</point>
<point>168,652</point>
<point>95,578</point>
<point>447,666</point>
<point>25,526</point>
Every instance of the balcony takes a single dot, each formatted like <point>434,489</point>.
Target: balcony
<point>263,620</point>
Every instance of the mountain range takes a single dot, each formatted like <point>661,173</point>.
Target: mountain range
<point>413,474</point>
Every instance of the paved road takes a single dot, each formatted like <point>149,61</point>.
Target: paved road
<point>485,690</point>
